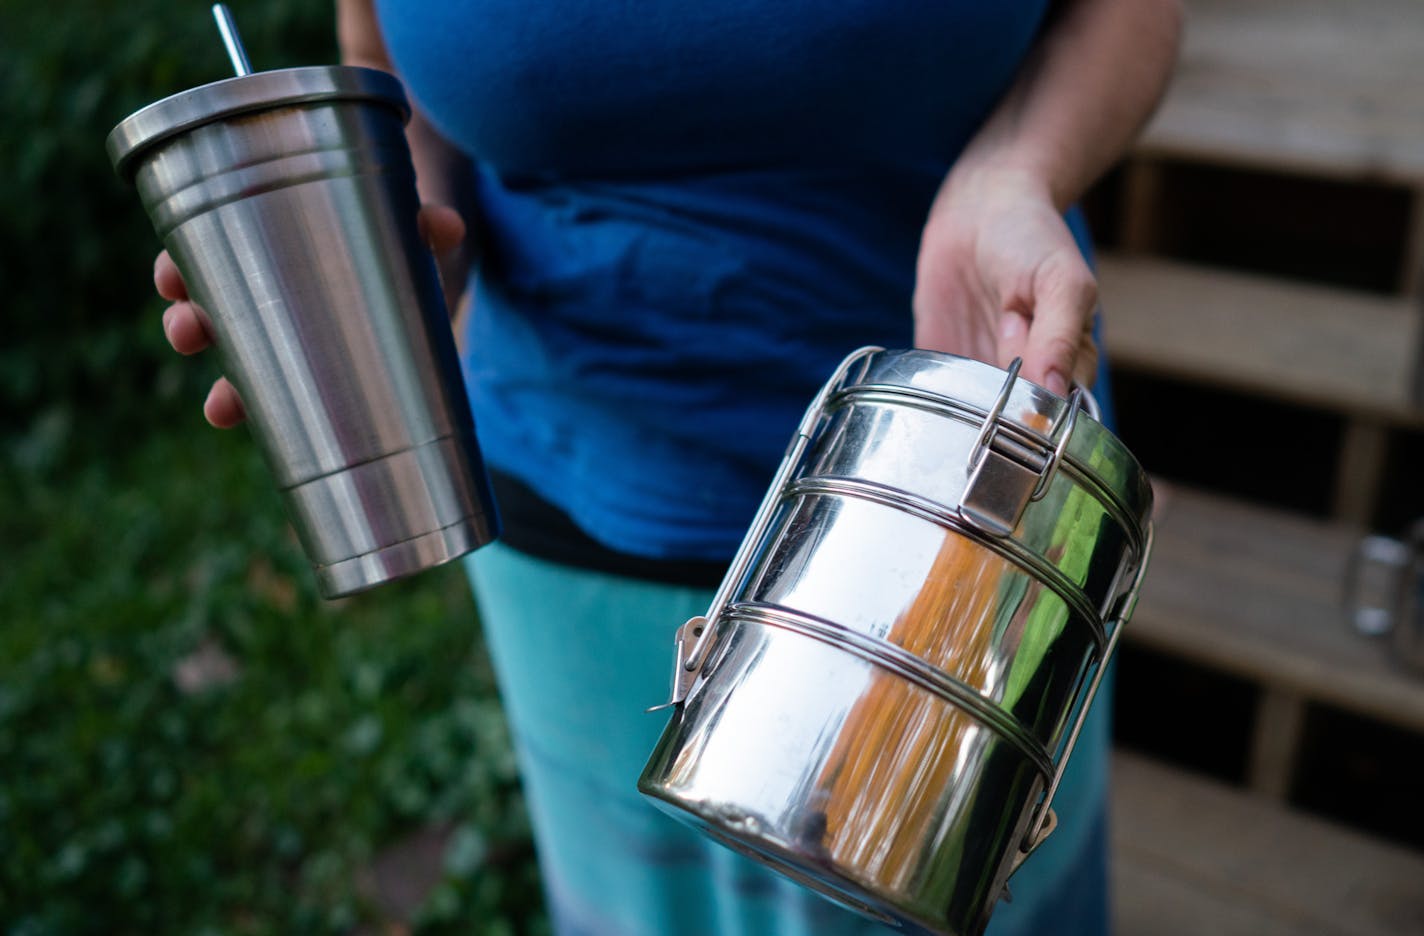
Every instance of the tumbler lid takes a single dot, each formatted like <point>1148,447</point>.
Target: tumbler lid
<point>259,91</point>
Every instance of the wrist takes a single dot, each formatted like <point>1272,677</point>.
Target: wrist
<point>976,185</point>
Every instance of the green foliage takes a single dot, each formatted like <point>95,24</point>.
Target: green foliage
<point>130,805</point>
<point>134,540</point>
<point>75,246</point>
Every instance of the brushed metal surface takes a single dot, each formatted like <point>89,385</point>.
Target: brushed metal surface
<point>287,200</point>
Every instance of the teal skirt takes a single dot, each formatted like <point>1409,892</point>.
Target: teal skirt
<point>579,656</point>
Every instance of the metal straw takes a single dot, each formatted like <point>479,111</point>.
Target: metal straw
<point>232,40</point>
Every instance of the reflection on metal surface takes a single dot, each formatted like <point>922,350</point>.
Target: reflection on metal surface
<point>897,755</point>
<point>883,691</point>
<point>287,199</point>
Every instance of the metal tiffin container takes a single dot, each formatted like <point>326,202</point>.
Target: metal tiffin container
<point>884,693</point>
<point>287,200</point>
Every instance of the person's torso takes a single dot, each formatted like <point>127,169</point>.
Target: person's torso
<point>690,212</point>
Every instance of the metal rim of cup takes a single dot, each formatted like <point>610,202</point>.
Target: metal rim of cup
<point>265,90</point>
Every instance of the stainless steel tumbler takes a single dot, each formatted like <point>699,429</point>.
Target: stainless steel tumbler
<point>287,200</point>
<point>881,699</point>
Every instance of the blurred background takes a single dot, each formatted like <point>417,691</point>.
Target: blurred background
<point>192,742</point>
<point>1262,274</point>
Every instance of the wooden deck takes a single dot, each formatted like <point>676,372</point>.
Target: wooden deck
<point>1319,87</point>
<point>1195,858</point>
<point>1258,593</point>
<point>1333,349</point>
<point>1323,90</point>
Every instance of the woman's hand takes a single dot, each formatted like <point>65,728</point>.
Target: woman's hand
<point>188,331</point>
<point>1000,276</point>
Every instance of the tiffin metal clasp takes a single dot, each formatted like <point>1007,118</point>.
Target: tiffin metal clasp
<point>1001,485</point>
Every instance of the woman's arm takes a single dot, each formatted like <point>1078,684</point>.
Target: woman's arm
<point>439,170</point>
<point>443,175</point>
<point>999,274</point>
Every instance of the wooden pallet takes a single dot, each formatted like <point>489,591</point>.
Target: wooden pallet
<point>1334,349</point>
<point>1194,857</point>
<point>1314,88</point>
<point>1318,87</point>
<point>1257,593</point>
<point>1340,350</point>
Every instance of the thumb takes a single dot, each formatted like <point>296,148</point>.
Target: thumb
<point>1065,297</point>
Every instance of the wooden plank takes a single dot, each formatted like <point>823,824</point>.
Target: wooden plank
<point>1359,472</point>
<point>1321,346</point>
<point>1314,86</point>
<point>1257,593</point>
<point>1275,742</point>
<point>1192,856</point>
<point>1157,899</point>
<point>1140,219</point>
<point>1411,261</point>
<point>1411,276</point>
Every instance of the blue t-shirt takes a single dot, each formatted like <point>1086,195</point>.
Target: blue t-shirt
<point>691,212</point>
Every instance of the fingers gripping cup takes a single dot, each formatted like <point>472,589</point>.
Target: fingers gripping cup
<point>287,200</point>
